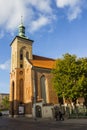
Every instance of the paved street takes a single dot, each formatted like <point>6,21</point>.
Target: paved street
<point>39,124</point>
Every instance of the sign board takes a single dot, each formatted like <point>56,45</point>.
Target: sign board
<point>21,109</point>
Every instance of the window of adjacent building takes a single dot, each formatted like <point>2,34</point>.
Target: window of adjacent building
<point>43,88</point>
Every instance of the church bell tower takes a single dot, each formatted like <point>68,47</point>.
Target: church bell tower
<point>21,52</point>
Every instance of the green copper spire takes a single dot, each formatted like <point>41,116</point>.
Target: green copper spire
<point>22,30</point>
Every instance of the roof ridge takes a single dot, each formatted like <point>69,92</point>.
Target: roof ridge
<point>36,57</point>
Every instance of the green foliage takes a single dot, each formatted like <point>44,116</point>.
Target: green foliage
<point>5,102</point>
<point>70,77</point>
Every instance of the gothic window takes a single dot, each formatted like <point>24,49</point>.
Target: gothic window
<point>21,65</point>
<point>43,88</point>
<point>21,54</point>
<point>27,55</point>
<point>12,90</point>
<point>21,90</point>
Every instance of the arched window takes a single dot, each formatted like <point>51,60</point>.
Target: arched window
<point>21,90</point>
<point>21,65</point>
<point>27,55</point>
<point>21,54</point>
<point>43,88</point>
<point>12,90</point>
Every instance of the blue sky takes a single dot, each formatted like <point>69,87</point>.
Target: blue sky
<point>56,26</point>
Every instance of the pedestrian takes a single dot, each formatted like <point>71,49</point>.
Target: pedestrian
<point>61,116</point>
<point>56,115</point>
<point>56,110</point>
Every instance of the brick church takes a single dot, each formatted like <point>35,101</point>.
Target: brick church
<point>30,76</point>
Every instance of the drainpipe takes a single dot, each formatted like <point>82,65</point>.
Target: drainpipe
<point>34,88</point>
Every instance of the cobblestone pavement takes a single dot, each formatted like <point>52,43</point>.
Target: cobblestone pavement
<point>23,123</point>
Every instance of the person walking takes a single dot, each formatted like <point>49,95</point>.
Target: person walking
<point>61,116</point>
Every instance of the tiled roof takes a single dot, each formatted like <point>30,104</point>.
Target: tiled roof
<point>42,62</point>
<point>35,57</point>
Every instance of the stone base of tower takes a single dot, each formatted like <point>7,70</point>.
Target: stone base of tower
<point>17,109</point>
<point>28,108</point>
<point>13,108</point>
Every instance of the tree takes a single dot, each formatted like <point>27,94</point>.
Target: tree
<point>83,79</point>
<point>70,77</point>
<point>5,102</point>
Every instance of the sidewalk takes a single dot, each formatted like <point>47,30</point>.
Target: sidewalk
<point>74,121</point>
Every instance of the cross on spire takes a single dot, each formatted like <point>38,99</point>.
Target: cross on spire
<point>21,19</point>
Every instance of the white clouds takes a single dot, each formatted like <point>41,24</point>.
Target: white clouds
<point>63,3</point>
<point>41,5</point>
<point>73,13</point>
<point>36,13</point>
<point>41,21</point>
<point>74,7</point>
<point>11,12</point>
<point>5,66</point>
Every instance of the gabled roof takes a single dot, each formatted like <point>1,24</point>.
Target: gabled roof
<point>42,62</point>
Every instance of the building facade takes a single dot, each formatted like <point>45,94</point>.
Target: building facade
<point>30,77</point>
